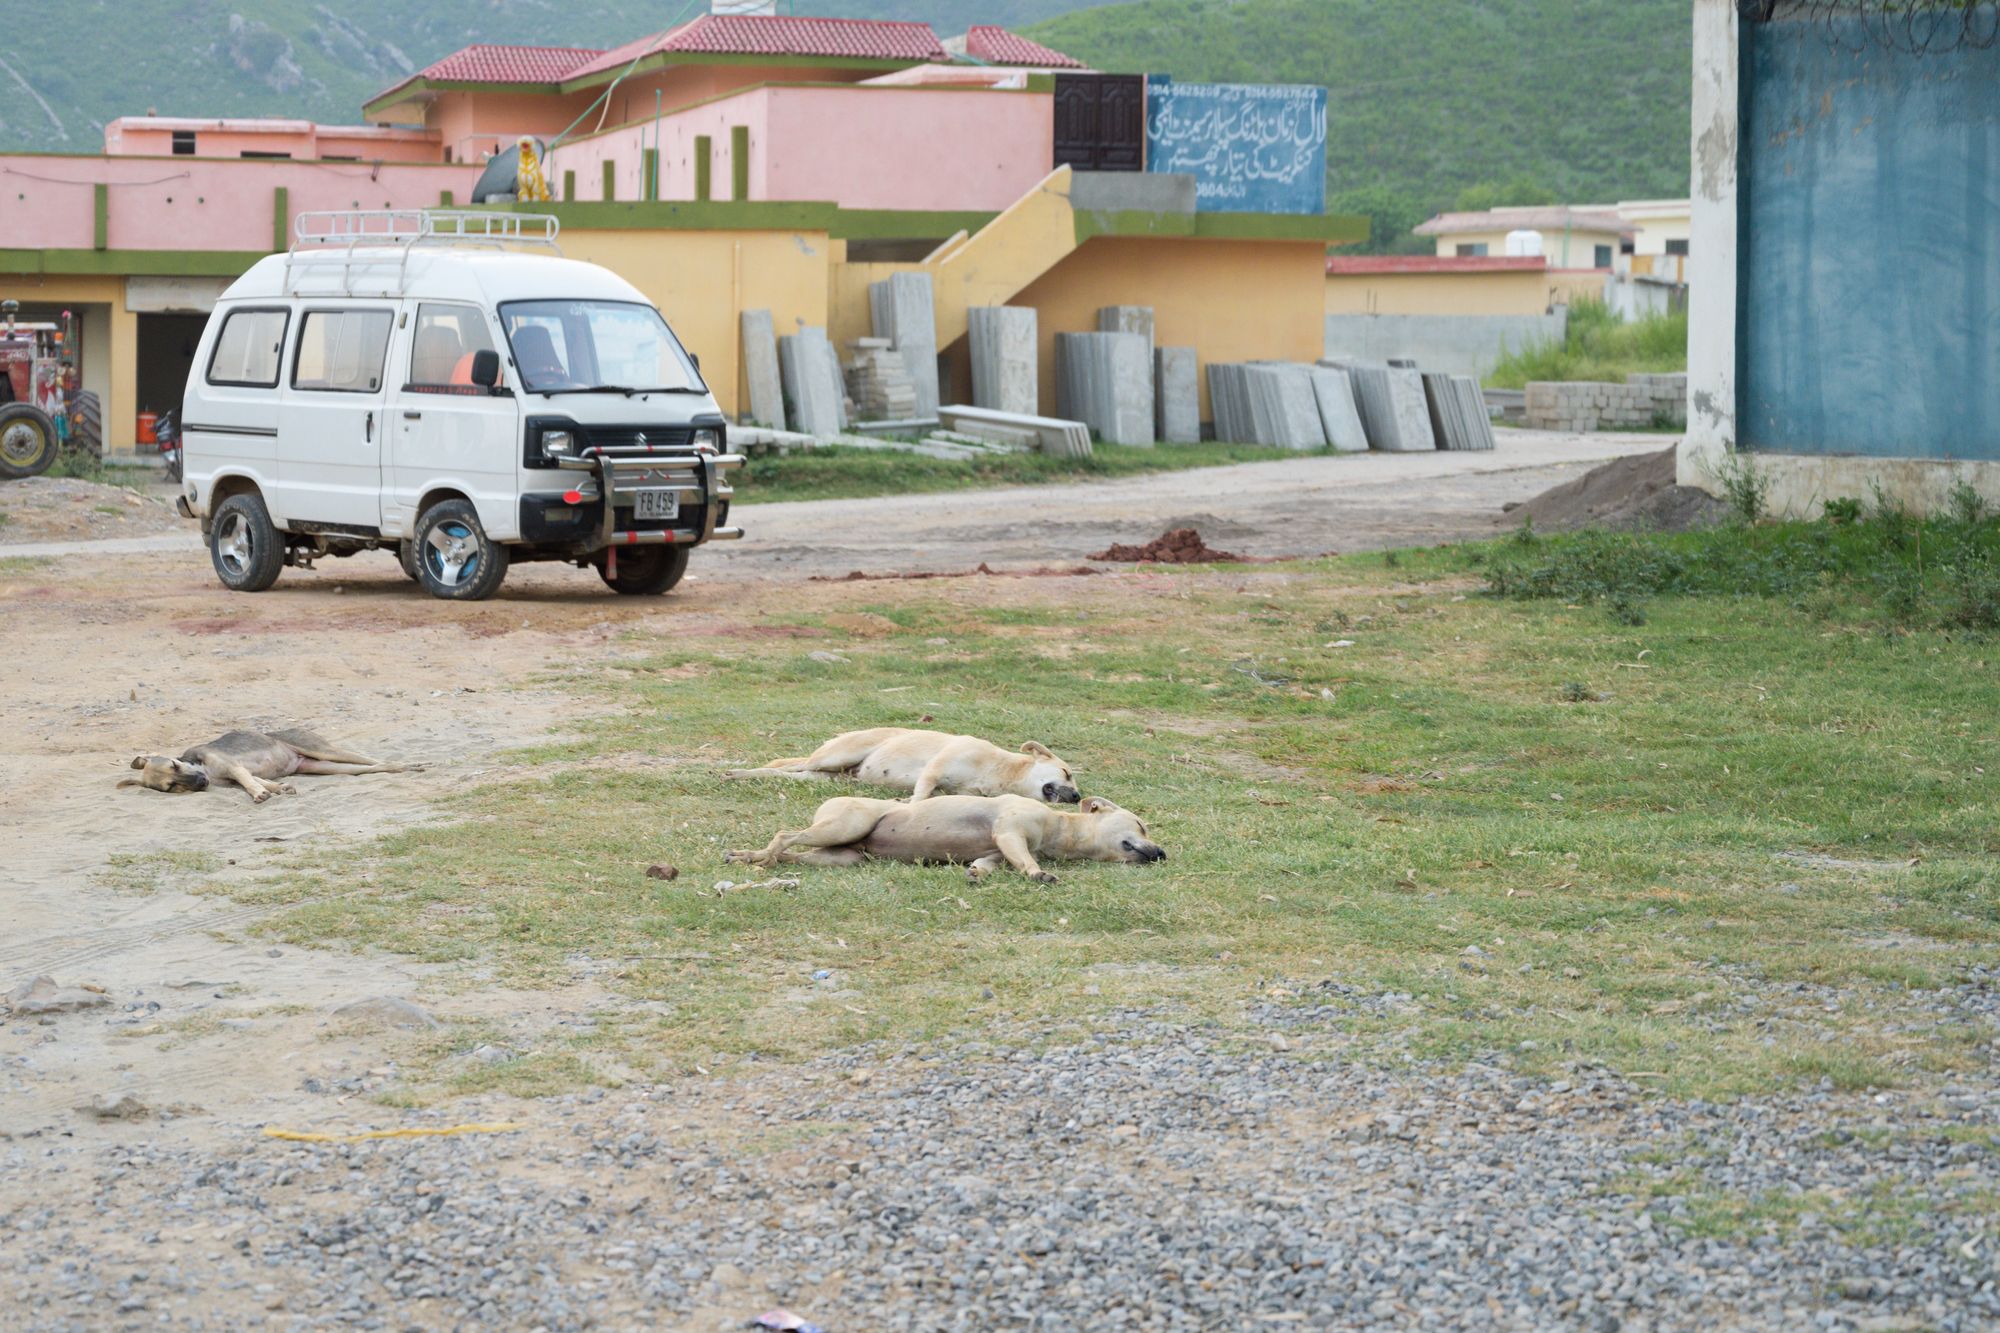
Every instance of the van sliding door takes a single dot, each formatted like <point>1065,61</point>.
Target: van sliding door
<point>331,418</point>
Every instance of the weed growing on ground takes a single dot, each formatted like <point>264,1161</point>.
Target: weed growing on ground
<point>835,472</point>
<point>1598,346</point>
<point>1843,509</point>
<point>1745,486</point>
<point>1939,573</point>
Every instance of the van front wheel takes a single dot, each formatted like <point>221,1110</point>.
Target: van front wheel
<point>646,571</point>
<point>247,551</point>
<point>455,558</point>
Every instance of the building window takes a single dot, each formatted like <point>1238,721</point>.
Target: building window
<point>1628,248</point>
<point>247,153</point>
<point>1477,250</point>
<point>183,143</point>
<point>1603,256</point>
<point>1679,247</point>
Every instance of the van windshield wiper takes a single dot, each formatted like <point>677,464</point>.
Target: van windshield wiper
<point>625,389</point>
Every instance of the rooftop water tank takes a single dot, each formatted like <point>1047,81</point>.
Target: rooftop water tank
<point>1520,243</point>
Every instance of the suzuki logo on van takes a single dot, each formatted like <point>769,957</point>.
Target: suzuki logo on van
<point>640,439</point>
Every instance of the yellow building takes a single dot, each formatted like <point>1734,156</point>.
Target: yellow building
<point>1434,285</point>
<point>1570,238</point>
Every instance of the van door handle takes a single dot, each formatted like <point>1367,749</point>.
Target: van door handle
<point>413,416</point>
<point>368,432</point>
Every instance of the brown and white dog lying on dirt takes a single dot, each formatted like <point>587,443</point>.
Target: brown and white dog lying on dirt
<point>978,832</point>
<point>920,762</point>
<point>254,761</point>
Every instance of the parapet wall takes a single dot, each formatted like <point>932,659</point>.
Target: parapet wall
<point>1642,401</point>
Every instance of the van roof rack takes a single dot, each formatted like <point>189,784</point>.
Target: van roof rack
<point>355,239</point>
<point>351,227</point>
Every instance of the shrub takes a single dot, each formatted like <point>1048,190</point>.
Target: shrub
<point>1843,509</point>
<point>1598,346</point>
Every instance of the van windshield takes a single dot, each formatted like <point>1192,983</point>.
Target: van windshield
<point>603,346</point>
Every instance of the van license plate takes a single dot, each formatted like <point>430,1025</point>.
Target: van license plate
<point>656,504</point>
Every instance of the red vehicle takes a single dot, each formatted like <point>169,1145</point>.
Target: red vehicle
<point>41,409</point>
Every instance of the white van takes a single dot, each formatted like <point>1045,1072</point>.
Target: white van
<point>415,382</point>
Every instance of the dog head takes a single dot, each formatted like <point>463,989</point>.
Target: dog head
<point>163,774</point>
<point>1047,779</point>
<point>1116,834</point>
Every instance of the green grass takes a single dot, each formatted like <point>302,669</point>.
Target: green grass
<point>1598,347</point>
<point>837,473</point>
<point>1641,861</point>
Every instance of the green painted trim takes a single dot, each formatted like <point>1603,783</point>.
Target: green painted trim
<point>649,170</point>
<point>739,163</point>
<point>444,198</point>
<point>121,263</point>
<point>1131,222</point>
<point>1041,83</point>
<point>1326,229</point>
<point>610,180</point>
<point>704,167</point>
<point>281,218</point>
<point>761,215</point>
<point>100,212</point>
<point>569,187</point>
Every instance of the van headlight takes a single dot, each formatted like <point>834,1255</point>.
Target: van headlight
<point>558,443</point>
<point>708,439</point>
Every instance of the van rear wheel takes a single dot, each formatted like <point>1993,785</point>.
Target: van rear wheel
<point>245,547</point>
<point>646,571</point>
<point>456,560</point>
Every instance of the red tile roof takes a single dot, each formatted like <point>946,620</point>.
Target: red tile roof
<point>997,46</point>
<point>508,64</point>
<point>1436,263</point>
<point>772,35</point>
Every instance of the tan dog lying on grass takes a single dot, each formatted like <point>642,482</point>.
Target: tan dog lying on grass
<point>978,832</point>
<point>920,762</point>
<point>252,760</point>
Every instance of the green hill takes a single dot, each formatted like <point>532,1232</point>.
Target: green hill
<point>1439,103</point>
<point>80,63</point>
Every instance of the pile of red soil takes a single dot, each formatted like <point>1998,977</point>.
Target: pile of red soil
<point>1182,546</point>
<point>1635,494</point>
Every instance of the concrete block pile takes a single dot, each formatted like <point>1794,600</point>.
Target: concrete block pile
<point>1458,412</point>
<point>902,309</point>
<point>1642,401</point>
<point>1051,435</point>
<point>1105,380</point>
<point>1006,359</point>
<point>1176,395</point>
<point>1338,416</point>
<point>816,402</point>
<point>760,368</point>
<point>1284,404</point>
<point>761,441</point>
<point>879,382</point>
<point>1393,409</point>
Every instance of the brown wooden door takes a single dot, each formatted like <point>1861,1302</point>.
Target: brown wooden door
<point>1101,122</point>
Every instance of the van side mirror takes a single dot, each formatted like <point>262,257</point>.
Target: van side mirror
<point>486,367</point>
<point>696,358</point>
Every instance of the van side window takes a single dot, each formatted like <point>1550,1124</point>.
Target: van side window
<point>442,350</point>
<point>248,349</point>
<point>342,351</point>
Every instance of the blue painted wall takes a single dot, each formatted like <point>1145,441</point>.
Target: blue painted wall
<point>1251,148</point>
<point>1869,206</point>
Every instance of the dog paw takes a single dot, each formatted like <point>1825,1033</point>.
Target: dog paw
<point>1043,877</point>
<point>973,874</point>
<point>259,797</point>
<point>287,789</point>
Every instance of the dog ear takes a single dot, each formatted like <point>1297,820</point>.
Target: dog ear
<point>1092,805</point>
<point>138,761</point>
<point>1036,747</point>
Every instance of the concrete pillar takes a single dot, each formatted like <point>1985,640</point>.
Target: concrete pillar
<point>121,409</point>
<point>1711,418</point>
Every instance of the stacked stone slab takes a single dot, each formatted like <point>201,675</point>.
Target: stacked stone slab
<point>1105,380</point>
<point>904,312</point>
<point>1458,412</point>
<point>1176,395</point>
<point>810,373</point>
<point>879,383</point>
<point>1053,436</point>
<point>1641,401</point>
<point>1283,407</point>
<point>1005,358</point>
<point>1392,406</point>
<point>760,368</point>
<point>1338,416</point>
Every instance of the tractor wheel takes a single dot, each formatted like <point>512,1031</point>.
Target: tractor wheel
<point>86,432</point>
<point>27,441</point>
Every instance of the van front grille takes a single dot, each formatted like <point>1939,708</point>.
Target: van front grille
<point>640,439</point>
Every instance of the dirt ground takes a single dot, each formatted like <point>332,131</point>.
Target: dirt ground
<point>123,648</point>
<point>59,509</point>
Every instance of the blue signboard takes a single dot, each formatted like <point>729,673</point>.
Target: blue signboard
<point>1251,148</point>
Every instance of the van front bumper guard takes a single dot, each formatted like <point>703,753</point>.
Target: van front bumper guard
<point>698,479</point>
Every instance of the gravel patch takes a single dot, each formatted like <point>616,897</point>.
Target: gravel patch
<point>1145,1175</point>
